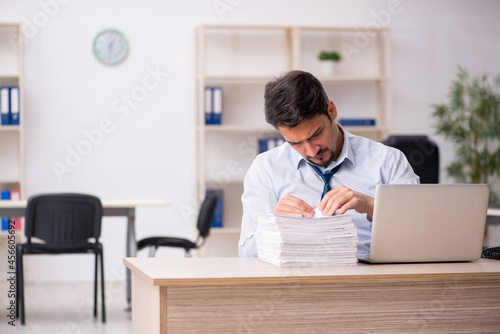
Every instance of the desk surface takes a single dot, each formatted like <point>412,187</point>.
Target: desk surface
<point>127,203</point>
<point>236,271</point>
<point>494,211</point>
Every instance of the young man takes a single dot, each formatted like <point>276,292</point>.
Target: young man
<point>320,165</point>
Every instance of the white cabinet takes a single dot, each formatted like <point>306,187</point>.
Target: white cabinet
<point>11,136</point>
<point>241,60</point>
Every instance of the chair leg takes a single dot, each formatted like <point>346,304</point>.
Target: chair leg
<point>95,282</point>
<point>103,306</point>
<point>152,251</point>
<point>17,281</point>
<point>188,253</point>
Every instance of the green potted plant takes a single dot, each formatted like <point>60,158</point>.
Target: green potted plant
<point>328,60</point>
<point>471,120</point>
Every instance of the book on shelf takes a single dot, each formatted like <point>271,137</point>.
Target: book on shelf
<point>266,144</point>
<point>357,121</point>
<point>6,195</point>
<point>14,105</point>
<point>213,105</point>
<point>9,105</point>
<point>287,241</point>
<point>5,105</point>
<point>218,219</point>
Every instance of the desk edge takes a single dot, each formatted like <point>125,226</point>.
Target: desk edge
<point>348,278</point>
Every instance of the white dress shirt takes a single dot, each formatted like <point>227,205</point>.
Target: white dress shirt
<point>283,171</point>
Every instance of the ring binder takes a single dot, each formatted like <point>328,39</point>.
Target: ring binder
<point>5,105</point>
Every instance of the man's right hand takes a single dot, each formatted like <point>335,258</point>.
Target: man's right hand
<point>293,206</point>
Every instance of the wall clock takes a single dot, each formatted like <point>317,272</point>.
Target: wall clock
<point>110,47</point>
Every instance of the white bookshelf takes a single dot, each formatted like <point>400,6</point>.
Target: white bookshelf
<point>11,136</point>
<point>241,60</point>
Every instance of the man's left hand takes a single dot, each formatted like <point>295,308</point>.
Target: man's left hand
<point>342,199</point>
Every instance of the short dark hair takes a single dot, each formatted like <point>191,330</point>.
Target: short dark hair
<point>294,97</point>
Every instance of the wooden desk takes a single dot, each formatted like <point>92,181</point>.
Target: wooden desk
<point>113,208</point>
<point>493,217</point>
<point>493,211</point>
<point>231,295</point>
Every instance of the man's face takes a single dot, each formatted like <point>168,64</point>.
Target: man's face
<point>316,139</point>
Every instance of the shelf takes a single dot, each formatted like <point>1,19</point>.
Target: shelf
<point>264,79</point>
<point>10,128</point>
<point>339,29</point>
<point>9,80</point>
<point>226,28</point>
<point>242,60</point>
<point>253,28</point>
<point>233,181</point>
<point>231,129</point>
<point>241,129</point>
<point>11,181</point>
<point>346,79</point>
<point>359,129</point>
<point>237,79</point>
<point>237,129</point>
<point>11,136</point>
<point>225,230</point>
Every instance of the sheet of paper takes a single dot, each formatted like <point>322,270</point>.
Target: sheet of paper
<point>317,213</point>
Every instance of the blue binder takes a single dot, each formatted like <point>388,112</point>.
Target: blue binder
<point>266,144</point>
<point>213,105</point>
<point>262,145</point>
<point>357,121</point>
<point>5,105</point>
<point>209,105</point>
<point>218,219</point>
<point>14,105</point>
<point>5,195</point>
<point>217,105</point>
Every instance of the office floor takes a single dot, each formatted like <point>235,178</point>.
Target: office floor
<point>67,309</point>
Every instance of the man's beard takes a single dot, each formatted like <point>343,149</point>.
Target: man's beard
<point>326,158</point>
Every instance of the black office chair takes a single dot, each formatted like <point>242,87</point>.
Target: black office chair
<point>422,154</point>
<point>67,224</point>
<point>205,218</point>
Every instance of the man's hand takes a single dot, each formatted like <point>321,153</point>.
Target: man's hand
<point>342,199</point>
<point>293,206</point>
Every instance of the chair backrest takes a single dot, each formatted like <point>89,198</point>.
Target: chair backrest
<point>63,217</point>
<point>422,154</point>
<point>207,211</point>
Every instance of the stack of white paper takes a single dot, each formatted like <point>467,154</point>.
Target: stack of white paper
<point>307,242</point>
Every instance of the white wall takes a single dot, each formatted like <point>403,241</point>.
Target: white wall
<point>149,153</point>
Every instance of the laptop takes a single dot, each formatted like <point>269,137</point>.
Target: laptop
<point>428,223</point>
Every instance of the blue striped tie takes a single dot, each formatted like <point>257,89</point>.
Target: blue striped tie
<point>326,178</point>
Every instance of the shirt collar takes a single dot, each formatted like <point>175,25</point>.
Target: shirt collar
<point>346,152</point>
